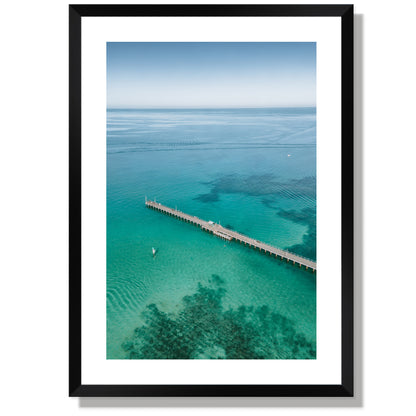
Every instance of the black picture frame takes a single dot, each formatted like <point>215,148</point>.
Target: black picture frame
<point>76,388</point>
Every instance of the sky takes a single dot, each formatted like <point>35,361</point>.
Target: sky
<point>203,75</point>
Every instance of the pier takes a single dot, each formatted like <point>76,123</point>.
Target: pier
<point>226,234</point>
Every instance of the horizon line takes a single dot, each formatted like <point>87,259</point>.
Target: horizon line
<point>206,107</point>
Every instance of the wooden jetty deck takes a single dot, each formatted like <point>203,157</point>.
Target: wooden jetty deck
<point>230,235</point>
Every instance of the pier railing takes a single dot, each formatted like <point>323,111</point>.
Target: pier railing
<point>230,235</point>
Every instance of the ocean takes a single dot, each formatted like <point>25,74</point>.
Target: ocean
<point>200,297</point>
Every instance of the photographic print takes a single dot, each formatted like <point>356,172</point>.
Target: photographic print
<point>211,200</point>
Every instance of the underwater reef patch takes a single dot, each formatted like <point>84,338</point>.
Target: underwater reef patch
<point>306,216</point>
<point>204,330</point>
<point>260,185</point>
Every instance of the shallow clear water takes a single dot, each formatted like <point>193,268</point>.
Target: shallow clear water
<point>252,170</point>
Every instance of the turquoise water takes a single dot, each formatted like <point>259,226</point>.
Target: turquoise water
<point>252,170</point>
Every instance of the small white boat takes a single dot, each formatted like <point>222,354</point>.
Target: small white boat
<point>153,251</point>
